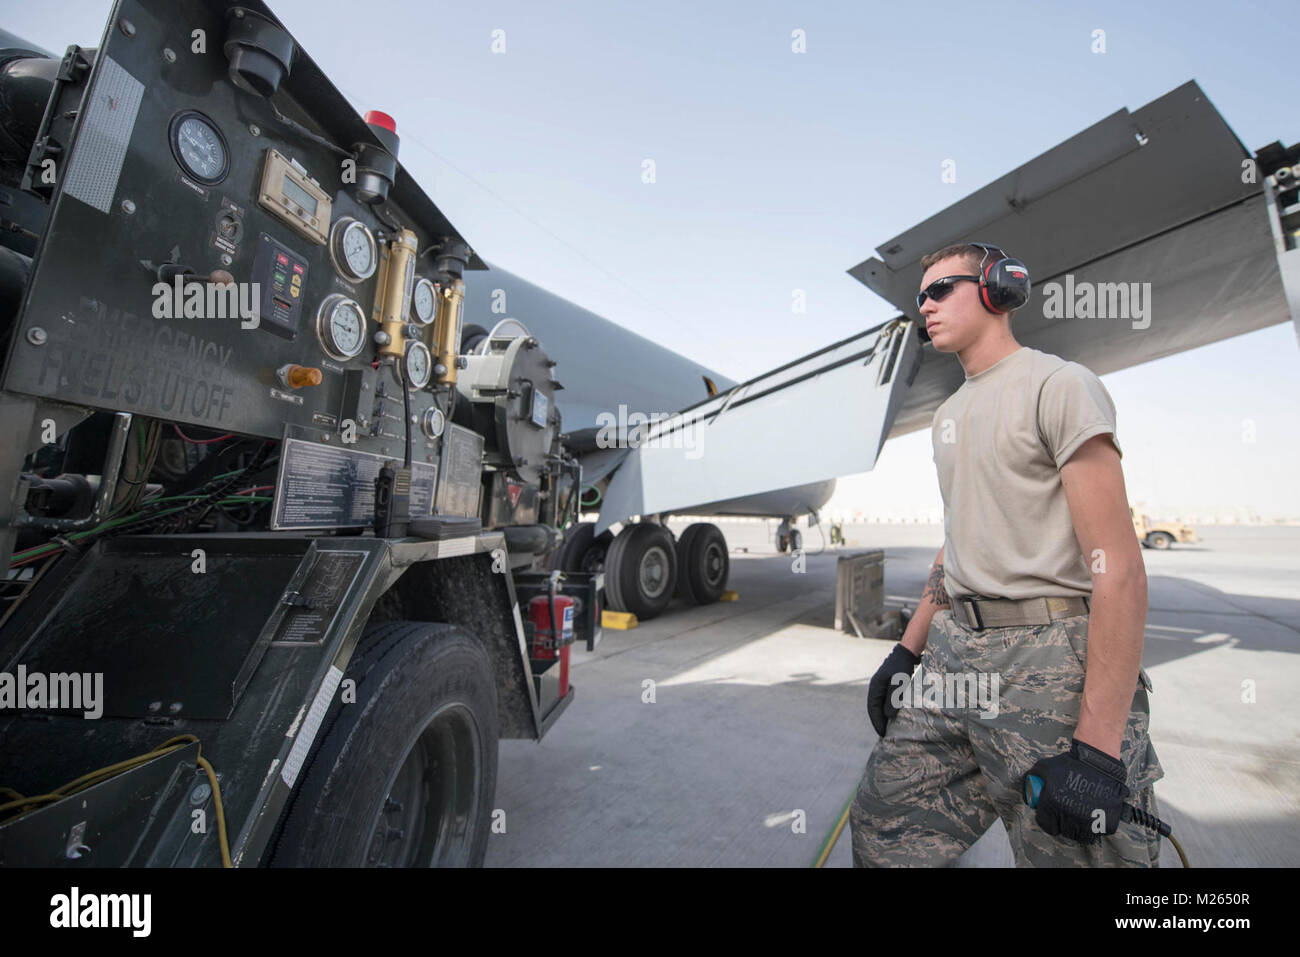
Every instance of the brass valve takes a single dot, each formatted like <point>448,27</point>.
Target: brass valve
<point>446,330</point>
<point>395,286</point>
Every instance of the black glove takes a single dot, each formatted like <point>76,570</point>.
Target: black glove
<point>1075,785</point>
<point>879,707</point>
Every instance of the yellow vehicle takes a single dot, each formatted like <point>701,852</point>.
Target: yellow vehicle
<point>1160,534</point>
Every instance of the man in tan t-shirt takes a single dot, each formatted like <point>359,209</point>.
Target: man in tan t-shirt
<point>1035,606</point>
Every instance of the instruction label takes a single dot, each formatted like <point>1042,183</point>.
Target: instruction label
<point>321,486</point>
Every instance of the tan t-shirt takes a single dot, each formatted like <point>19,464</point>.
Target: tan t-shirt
<point>999,442</point>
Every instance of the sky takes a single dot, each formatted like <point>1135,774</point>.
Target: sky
<point>776,171</point>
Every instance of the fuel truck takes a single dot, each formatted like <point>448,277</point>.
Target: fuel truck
<point>276,527</point>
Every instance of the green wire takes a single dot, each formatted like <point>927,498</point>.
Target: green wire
<point>215,478</point>
<point>140,457</point>
<point>114,520</point>
<point>832,836</point>
<point>42,550</point>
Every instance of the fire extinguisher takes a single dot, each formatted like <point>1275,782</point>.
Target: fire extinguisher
<point>552,618</point>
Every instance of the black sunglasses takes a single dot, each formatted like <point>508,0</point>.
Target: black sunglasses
<point>939,289</point>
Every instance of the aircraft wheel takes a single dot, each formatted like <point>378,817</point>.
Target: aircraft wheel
<point>641,570</point>
<point>703,564</point>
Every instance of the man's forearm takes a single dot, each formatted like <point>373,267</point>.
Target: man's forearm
<point>1116,627</point>
<point>933,599</point>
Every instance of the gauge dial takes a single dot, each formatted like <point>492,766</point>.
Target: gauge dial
<point>341,327</point>
<point>417,365</point>
<point>433,422</point>
<point>199,147</point>
<point>353,249</point>
<point>425,299</point>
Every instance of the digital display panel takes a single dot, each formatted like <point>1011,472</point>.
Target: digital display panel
<point>299,195</point>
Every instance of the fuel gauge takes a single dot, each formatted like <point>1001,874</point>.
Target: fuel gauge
<point>417,365</point>
<point>353,249</point>
<point>341,327</point>
<point>424,299</point>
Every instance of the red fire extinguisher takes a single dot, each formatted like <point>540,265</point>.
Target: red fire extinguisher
<point>552,618</point>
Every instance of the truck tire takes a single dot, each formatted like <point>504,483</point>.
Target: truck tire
<point>1160,540</point>
<point>582,550</point>
<point>703,564</point>
<point>641,570</point>
<point>406,775</point>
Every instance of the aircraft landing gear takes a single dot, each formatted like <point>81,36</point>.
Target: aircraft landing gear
<point>644,567</point>
<point>703,564</point>
<point>641,570</point>
<point>788,539</point>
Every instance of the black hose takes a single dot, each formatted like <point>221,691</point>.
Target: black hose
<point>406,418</point>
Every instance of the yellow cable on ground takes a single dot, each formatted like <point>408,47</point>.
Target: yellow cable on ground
<point>834,836</point>
<point>103,774</point>
<point>221,812</point>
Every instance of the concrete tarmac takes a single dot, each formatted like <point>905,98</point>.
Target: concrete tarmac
<point>733,734</point>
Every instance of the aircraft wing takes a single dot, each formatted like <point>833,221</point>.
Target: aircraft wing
<point>822,416</point>
<point>1157,196</point>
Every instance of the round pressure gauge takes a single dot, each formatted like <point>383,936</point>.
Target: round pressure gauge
<point>425,301</point>
<point>353,249</point>
<point>417,365</point>
<point>341,327</point>
<point>199,147</point>
<point>433,422</point>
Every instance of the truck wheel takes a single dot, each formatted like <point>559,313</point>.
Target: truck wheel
<point>702,564</point>
<point>583,550</point>
<point>641,570</point>
<point>406,775</point>
<point>1160,539</point>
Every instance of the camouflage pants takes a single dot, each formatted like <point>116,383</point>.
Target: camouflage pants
<point>941,776</point>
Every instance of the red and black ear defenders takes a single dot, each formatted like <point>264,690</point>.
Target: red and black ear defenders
<point>1004,282</point>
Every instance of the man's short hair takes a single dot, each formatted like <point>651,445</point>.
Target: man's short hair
<point>974,255</point>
